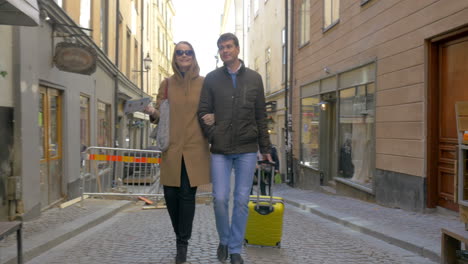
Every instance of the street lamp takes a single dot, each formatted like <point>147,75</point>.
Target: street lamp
<point>147,65</point>
<point>147,62</point>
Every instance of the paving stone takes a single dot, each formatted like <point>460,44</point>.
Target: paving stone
<point>146,236</point>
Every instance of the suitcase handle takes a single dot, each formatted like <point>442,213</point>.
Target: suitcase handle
<point>259,176</point>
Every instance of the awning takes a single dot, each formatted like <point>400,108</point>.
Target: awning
<point>19,12</point>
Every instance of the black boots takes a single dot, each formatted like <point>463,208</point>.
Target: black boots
<point>236,259</point>
<point>222,252</point>
<point>181,256</point>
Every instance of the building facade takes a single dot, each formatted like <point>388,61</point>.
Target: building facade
<point>261,29</point>
<point>53,113</point>
<point>374,88</point>
<point>266,40</point>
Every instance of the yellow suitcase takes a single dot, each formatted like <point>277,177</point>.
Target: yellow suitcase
<point>265,221</point>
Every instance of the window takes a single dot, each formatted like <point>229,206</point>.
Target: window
<point>356,134</point>
<point>104,25</point>
<point>85,14</point>
<point>256,6</point>
<point>136,66</point>
<point>331,13</point>
<point>121,43</point>
<point>283,55</point>
<point>136,5</point>
<point>363,2</point>
<point>249,9</point>
<point>310,114</point>
<point>267,70</point>
<point>148,17</point>
<point>104,125</point>
<point>84,121</point>
<point>159,39</point>
<point>304,16</point>
<point>128,54</point>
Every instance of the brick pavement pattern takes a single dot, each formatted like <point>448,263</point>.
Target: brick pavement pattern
<point>418,232</point>
<point>146,236</point>
<point>54,218</point>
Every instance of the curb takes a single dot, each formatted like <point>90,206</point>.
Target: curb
<point>42,242</point>
<point>394,240</point>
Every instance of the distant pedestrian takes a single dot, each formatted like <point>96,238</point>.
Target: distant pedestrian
<point>232,114</point>
<point>185,165</point>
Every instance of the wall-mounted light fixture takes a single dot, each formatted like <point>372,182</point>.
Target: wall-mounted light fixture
<point>44,15</point>
<point>323,105</point>
<point>147,62</point>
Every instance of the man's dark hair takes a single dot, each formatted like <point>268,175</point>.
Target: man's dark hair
<point>226,37</point>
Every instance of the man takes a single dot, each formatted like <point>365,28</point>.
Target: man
<point>232,116</point>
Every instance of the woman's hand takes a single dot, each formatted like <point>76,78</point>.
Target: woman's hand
<point>208,119</point>
<point>149,109</point>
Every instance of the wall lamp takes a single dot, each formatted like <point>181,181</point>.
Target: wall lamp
<point>323,105</point>
<point>44,15</point>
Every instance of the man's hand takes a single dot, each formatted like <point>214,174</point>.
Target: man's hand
<point>268,157</point>
<point>208,119</point>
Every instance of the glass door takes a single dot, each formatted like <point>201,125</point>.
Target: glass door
<point>327,126</point>
<point>50,145</point>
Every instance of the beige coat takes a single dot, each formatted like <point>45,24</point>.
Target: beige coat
<point>186,138</point>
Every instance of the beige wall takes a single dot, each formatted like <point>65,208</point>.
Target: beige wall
<point>131,20</point>
<point>392,33</point>
<point>161,56</point>
<point>265,32</point>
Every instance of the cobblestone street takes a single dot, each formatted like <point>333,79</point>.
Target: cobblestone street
<point>145,236</point>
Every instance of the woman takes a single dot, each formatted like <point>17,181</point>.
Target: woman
<point>185,165</point>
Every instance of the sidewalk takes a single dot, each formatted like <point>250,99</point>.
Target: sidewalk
<point>416,232</point>
<point>57,225</point>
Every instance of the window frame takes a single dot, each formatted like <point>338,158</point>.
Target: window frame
<point>304,23</point>
<point>333,22</point>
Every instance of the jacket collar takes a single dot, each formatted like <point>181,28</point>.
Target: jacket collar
<point>241,69</point>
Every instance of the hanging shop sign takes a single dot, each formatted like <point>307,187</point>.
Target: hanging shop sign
<point>75,57</point>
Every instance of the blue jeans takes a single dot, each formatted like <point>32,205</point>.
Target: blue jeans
<point>221,167</point>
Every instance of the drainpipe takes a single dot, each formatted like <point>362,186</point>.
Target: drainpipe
<point>287,99</point>
<point>116,76</point>
<point>142,129</point>
<point>291,71</point>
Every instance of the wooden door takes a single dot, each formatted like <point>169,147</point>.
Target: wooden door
<point>50,112</point>
<point>453,87</point>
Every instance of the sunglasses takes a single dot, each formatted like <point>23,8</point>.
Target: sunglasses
<point>182,52</point>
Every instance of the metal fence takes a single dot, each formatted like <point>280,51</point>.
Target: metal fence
<point>120,172</point>
<point>124,172</point>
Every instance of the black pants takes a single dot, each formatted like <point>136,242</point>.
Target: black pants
<point>265,181</point>
<point>180,202</point>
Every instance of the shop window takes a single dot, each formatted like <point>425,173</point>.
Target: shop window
<point>310,113</point>
<point>356,137</point>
